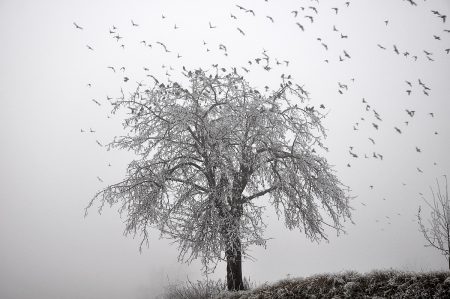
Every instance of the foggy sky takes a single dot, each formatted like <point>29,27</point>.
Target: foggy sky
<point>49,168</point>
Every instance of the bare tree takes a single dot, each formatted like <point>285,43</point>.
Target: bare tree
<point>208,154</point>
<point>437,234</point>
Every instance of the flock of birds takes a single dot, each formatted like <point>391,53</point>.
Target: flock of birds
<point>303,18</point>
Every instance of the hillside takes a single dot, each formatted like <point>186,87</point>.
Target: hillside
<point>376,284</point>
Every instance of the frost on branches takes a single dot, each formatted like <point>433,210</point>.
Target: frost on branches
<point>437,234</point>
<point>209,152</point>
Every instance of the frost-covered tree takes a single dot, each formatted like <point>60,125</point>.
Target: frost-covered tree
<point>437,234</point>
<point>209,152</point>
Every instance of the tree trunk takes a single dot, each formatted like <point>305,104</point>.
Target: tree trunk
<point>234,266</point>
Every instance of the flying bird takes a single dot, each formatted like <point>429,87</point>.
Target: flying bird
<point>396,50</point>
<point>100,179</point>
<point>250,11</point>
<point>89,47</point>
<point>96,102</point>
<point>164,46</point>
<point>310,18</point>
<point>300,26</point>
<point>211,26</point>
<point>410,112</point>
<point>313,9</point>
<point>240,30</point>
<point>77,26</point>
<point>134,24</point>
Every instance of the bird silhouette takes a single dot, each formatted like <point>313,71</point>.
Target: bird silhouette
<point>164,46</point>
<point>233,16</point>
<point>96,102</point>
<point>300,26</point>
<point>410,112</point>
<point>134,24</point>
<point>295,12</point>
<point>313,9</point>
<point>77,26</point>
<point>381,47</point>
<point>100,179</point>
<point>211,26</point>
<point>98,142</point>
<point>311,18</point>
<point>353,154</point>
<point>398,130</point>
<point>250,11</point>
<point>89,47</point>
<point>270,18</point>
<point>111,67</point>
<point>335,9</point>
<point>396,50</point>
<point>240,30</point>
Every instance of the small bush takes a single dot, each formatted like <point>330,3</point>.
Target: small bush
<point>200,290</point>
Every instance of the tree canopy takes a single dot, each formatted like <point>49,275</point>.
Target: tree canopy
<point>208,152</point>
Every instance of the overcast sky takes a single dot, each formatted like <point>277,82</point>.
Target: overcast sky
<point>49,168</point>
